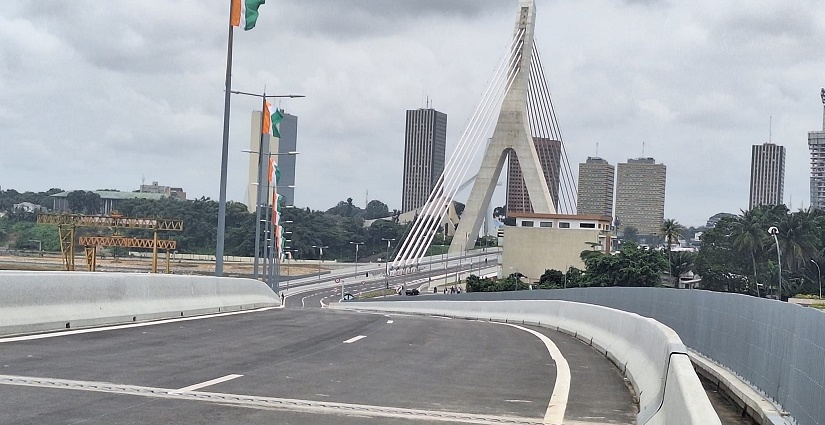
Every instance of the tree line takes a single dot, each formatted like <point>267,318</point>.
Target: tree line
<point>333,229</point>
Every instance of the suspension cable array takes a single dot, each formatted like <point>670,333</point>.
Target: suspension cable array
<point>431,215</point>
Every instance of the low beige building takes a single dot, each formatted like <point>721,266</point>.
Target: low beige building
<point>552,241</point>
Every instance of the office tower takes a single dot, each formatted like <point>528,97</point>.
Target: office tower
<point>288,129</point>
<point>640,195</point>
<point>549,153</point>
<point>816,144</point>
<point>425,144</point>
<point>595,187</point>
<point>767,174</point>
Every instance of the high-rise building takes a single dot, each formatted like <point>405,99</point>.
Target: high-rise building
<point>595,195</point>
<point>816,144</point>
<point>425,145</point>
<point>640,195</point>
<point>288,129</point>
<point>549,153</point>
<point>767,174</point>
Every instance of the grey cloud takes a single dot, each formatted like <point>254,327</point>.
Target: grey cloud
<point>362,18</point>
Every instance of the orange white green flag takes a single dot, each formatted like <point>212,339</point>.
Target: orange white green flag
<point>245,13</point>
<point>266,118</point>
<point>274,171</point>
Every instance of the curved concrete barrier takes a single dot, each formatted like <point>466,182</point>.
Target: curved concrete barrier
<point>47,301</point>
<point>649,353</point>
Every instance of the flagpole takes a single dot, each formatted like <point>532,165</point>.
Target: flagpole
<point>260,190</point>
<point>224,154</point>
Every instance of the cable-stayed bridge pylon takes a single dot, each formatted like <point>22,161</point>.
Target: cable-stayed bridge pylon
<point>519,96</point>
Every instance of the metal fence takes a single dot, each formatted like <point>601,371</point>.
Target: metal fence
<point>779,348</point>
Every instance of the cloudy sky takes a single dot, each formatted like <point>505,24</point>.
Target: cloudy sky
<point>103,94</point>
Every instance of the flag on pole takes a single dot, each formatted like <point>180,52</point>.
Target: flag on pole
<point>245,13</point>
<point>274,171</point>
<point>275,121</point>
<point>266,119</point>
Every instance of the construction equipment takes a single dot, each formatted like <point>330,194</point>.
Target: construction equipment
<point>66,224</point>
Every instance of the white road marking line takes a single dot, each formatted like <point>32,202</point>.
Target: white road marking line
<point>558,401</point>
<point>126,326</point>
<point>518,401</point>
<point>269,403</point>
<point>206,384</point>
<point>355,338</point>
<point>389,321</point>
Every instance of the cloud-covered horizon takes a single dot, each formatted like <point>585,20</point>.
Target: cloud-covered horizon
<point>105,94</point>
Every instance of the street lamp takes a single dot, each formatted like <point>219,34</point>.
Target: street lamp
<point>224,162</point>
<point>818,277</point>
<point>387,260</point>
<point>320,254</point>
<point>357,244</point>
<point>774,231</point>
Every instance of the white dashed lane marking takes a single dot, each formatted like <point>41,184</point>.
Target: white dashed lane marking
<point>355,338</point>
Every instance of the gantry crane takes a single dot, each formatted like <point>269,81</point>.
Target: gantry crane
<point>66,224</point>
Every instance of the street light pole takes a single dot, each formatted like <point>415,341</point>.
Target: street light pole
<point>320,254</point>
<point>774,231</point>
<point>818,277</point>
<point>357,244</point>
<point>219,247</point>
<point>387,261</point>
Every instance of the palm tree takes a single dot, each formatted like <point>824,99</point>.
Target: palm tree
<point>797,238</point>
<point>749,235</point>
<point>671,229</point>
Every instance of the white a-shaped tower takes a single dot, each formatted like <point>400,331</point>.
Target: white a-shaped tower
<point>512,135</point>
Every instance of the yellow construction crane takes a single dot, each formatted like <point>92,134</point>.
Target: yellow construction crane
<point>66,224</point>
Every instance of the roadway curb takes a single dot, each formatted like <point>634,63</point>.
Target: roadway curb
<point>753,403</point>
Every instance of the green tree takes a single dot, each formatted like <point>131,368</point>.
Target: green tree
<point>83,202</point>
<point>631,266</point>
<point>631,234</point>
<point>671,230</point>
<point>551,279</point>
<point>750,236</point>
<point>376,209</point>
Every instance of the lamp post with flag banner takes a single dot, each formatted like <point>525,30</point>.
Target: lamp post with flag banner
<point>269,125</point>
<point>241,13</point>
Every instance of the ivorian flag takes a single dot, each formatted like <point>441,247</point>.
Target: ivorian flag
<point>274,171</point>
<point>245,13</point>
<point>266,122</point>
<point>271,120</point>
<point>275,121</point>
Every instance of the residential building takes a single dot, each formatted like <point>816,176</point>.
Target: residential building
<point>549,153</point>
<point>539,242</point>
<point>29,207</point>
<point>640,195</point>
<point>280,147</point>
<point>172,192</point>
<point>425,144</point>
<point>596,177</point>
<point>767,174</point>
<point>816,144</point>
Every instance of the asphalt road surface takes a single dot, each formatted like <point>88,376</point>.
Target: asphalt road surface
<point>308,366</point>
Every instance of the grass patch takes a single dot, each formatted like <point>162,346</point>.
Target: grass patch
<point>377,293</point>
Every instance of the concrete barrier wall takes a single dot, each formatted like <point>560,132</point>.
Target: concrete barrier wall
<point>650,354</point>
<point>776,347</point>
<point>46,301</point>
